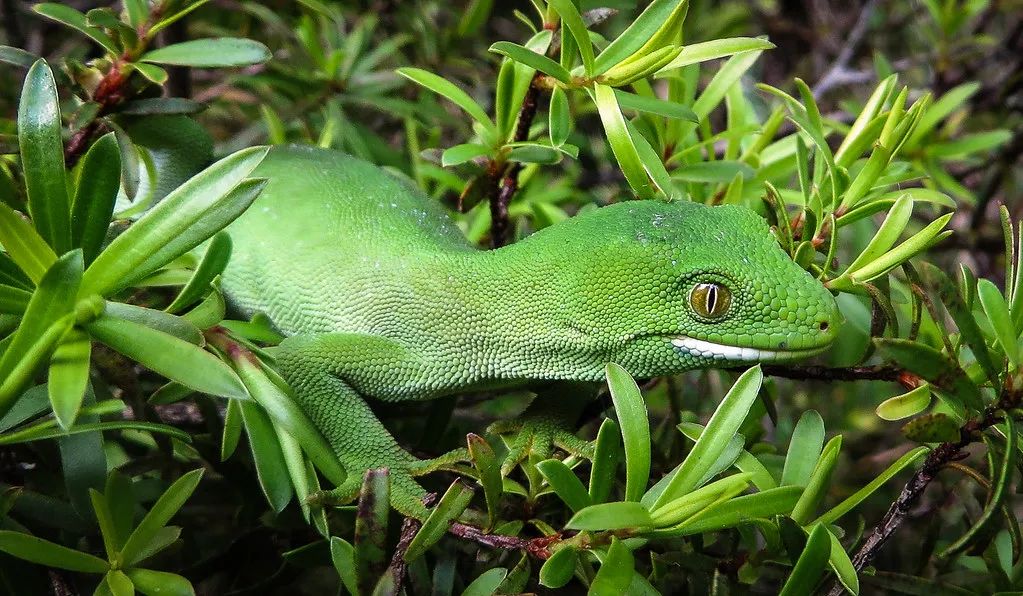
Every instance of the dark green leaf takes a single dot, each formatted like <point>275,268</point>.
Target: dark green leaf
<point>656,106</point>
<point>616,571</point>
<point>161,105</point>
<point>42,156</point>
<point>811,564</point>
<point>163,510</point>
<point>559,568</point>
<point>607,454</point>
<point>488,466</point>
<point>69,375</point>
<point>213,263</point>
<point>953,386</point>
<point>371,526</point>
<point>487,583</point>
<point>268,456</point>
<point>342,554</point>
<point>63,13</point>
<point>565,484</point>
<point>931,428</point>
<point>532,60</point>
<point>451,505</point>
<point>96,192</point>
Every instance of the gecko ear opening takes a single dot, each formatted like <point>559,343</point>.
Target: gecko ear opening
<point>710,300</point>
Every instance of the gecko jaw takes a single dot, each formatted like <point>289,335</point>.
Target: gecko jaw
<point>706,349</point>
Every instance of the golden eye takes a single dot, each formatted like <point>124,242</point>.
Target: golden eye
<point>710,300</point>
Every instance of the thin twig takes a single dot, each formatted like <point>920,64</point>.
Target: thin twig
<point>940,457</point>
<point>852,373</point>
<point>838,73</point>
<point>537,547</point>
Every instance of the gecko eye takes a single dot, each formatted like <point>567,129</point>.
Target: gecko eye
<point>710,300</point>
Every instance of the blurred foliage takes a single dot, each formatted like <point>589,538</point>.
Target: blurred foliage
<point>893,177</point>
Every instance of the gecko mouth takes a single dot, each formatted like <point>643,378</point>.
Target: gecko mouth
<point>706,349</point>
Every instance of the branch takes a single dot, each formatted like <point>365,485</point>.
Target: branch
<point>504,176</point>
<point>838,73</point>
<point>943,455</point>
<point>537,547</point>
<point>853,373</point>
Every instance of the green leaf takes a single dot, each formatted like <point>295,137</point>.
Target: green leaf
<point>621,142</point>
<point>611,516</point>
<point>743,509</point>
<point>170,20</point>
<point>137,11</point>
<point>213,263</point>
<point>169,356</point>
<point>131,162</point>
<point>460,154</point>
<point>232,429</point>
<point>268,456</point>
<point>888,234</point>
<point>532,59</point>
<point>153,106</point>
<point>445,88</point>
<point>804,449</point>
<point>24,245</point>
<point>17,57</point>
<point>997,312</point>
<point>856,498</point>
<point>119,584</point>
<point>811,564</point>
<point>52,301</point>
<point>658,15</point>
<point>718,48</point>
<point>606,455</point>
<point>69,375</point>
<point>210,53</point>
<point>155,319</point>
<point>970,144</point>
<point>451,505</point>
<point>487,583</point>
<point>573,22</point>
<point>905,405</point>
<point>153,73</point>
<point>159,583</point>
<point>728,75</point>
<point>654,105</point>
<point>932,428</point>
<point>724,423</point>
<point>342,554</point>
<point>163,510</point>
<point>76,20</point>
<point>489,468</point>
<point>528,152</point>
<point>817,484</point>
<point>42,156</point>
<point>952,385</point>
<point>44,552</point>
<point>681,509</point>
<point>616,570</point>
<point>186,217</point>
<point>282,408</point>
<point>632,416</point>
<point>565,484</point>
<point>96,193</point>
<point>843,566</point>
<point>559,568</point>
<point>560,117</point>
<point>13,300</point>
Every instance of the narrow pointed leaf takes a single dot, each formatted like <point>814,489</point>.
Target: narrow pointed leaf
<point>95,196</point>
<point>210,53</point>
<point>163,510</point>
<point>44,552</point>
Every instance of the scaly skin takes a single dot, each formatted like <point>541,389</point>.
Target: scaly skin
<point>382,297</point>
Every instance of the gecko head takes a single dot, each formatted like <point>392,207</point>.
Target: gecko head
<point>682,285</point>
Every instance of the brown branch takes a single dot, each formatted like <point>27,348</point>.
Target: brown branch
<point>937,459</point>
<point>537,547</point>
<point>853,373</point>
<point>504,176</point>
<point>111,91</point>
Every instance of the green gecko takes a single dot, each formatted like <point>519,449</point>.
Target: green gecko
<point>381,297</point>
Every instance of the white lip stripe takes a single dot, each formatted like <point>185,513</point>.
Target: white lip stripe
<point>706,349</point>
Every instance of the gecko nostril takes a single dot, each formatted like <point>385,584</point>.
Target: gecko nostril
<point>824,326</point>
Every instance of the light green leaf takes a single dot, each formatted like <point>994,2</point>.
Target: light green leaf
<point>817,484</point>
<point>843,567</point>
<point>96,193</point>
<point>460,154</point>
<point>905,405</point>
<point>342,554</point>
<point>718,48</point>
<point>655,27</point>
<point>632,417</point>
<point>654,105</point>
<point>560,117</point>
<point>606,455</point>
<point>213,263</point>
<point>559,568</point>
<point>532,59</point>
<point>268,456</point>
<point>740,510</point>
<point>69,375</point>
<point>621,141</point>
<point>447,89</point>
<point>611,516</point>
<point>169,356</point>
<point>804,449</point>
<point>997,312</point>
<point>724,423</point>
<point>616,571</point>
<point>573,22</point>
<point>24,245</point>
<point>210,53</point>
<point>487,583</point>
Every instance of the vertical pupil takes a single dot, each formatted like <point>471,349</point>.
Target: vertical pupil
<point>712,298</point>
